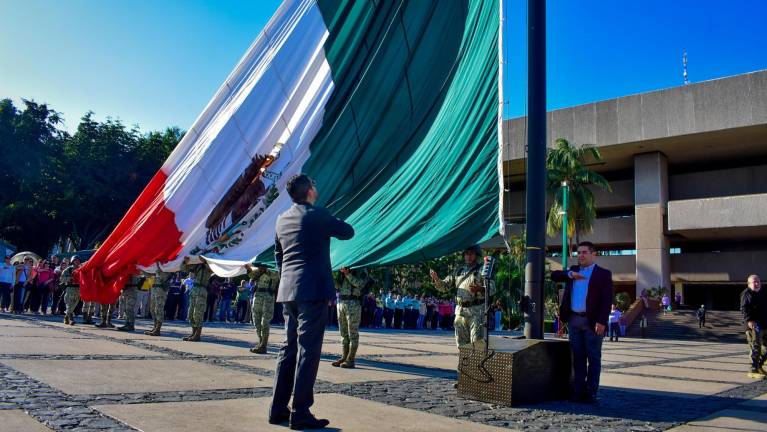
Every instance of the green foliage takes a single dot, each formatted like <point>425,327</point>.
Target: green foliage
<point>59,187</point>
<point>566,162</point>
<point>623,301</point>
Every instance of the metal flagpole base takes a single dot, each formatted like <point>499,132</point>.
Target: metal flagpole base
<point>515,371</point>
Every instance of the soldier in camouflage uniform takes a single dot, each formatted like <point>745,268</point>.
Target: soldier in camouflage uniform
<point>105,313</point>
<point>130,295</point>
<point>470,296</point>
<point>159,295</point>
<point>198,296</point>
<point>71,290</point>
<point>265,283</point>
<point>349,313</point>
<point>89,310</point>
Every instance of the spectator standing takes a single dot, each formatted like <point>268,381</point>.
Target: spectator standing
<point>57,305</point>
<point>753,305</point>
<point>422,309</point>
<point>243,295</point>
<point>399,311</point>
<point>7,275</point>
<point>45,278</point>
<point>643,325</point>
<point>379,312</point>
<point>498,316</point>
<point>228,292</point>
<point>389,309</point>
<point>214,295</point>
<point>678,300</point>
<point>22,280</point>
<point>701,314</point>
<point>666,303</point>
<point>142,296</point>
<point>614,320</point>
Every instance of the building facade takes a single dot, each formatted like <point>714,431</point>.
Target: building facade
<point>688,171</point>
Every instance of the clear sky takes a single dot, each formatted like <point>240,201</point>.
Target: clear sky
<point>156,63</point>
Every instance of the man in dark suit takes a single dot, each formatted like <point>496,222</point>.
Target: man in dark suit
<point>302,253</point>
<point>586,307</point>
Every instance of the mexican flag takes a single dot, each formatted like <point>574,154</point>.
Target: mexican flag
<point>391,106</point>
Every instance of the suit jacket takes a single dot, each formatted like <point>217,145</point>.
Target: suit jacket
<point>302,252</point>
<point>599,298</point>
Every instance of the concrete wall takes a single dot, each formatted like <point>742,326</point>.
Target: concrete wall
<point>719,104</point>
<point>622,196</point>
<point>718,267</point>
<point>718,183</point>
<point>740,211</point>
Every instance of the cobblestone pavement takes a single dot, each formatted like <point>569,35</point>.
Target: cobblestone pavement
<point>64,376</point>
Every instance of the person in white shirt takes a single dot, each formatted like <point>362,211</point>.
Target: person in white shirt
<point>7,275</point>
<point>614,320</point>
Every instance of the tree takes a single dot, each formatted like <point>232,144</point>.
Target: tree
<point>566,162</point>
<point>58,187</point>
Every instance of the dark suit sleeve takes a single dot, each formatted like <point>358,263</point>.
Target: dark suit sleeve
<point>278,253</point>
<point>337,228</point>
<point>606,300</point>
<point>559,276</point>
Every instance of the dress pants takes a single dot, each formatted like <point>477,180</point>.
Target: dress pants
<point>299,357</point>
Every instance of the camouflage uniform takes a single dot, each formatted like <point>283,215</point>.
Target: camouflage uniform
<point>198,297</point>
<point>105,313</point>
<point>71,293</point>
<point>159,295</point>
<point>469,307</point>
<point>89,310</point>
<point>129,297</point>
<point>349,313</point>
<point>262,309</point>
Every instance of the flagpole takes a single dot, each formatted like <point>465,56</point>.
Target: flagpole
<point>536,169</point>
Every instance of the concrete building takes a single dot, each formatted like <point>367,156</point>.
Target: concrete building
<point>688,169</point>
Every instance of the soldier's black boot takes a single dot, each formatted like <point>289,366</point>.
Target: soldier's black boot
<point>340,361</point>
<point>261,349</point>
<point>156,330</point>
<point>149,332</point>
<point>127,327</point>
<point>349,362</point>
<point>196,335</point>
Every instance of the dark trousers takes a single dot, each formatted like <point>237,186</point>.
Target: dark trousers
<point>210,309</point>
<point>57,305</point>
<point>398,318</point>
<point>45,296</point>
<point>615,331</point>
<point>5,295</point>
<point>242,310</point>
<point>388,315</point>
<point>299,357</point>
<point>18,297</point>
<point>587,355</point>
<point>434,320</point>
<point>701,322</point>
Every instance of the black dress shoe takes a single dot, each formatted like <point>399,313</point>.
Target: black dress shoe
<point>279,418</point>
<point>310,422</point>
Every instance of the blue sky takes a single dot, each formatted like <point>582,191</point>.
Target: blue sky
<point>156,63</point>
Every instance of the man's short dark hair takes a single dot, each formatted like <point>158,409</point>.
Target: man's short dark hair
<point>299,186</point>
<point>588,244</point>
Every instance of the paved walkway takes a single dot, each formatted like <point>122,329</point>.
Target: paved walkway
<point>81,378</point>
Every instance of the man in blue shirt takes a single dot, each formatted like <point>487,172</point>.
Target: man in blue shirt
<point>586,306</point>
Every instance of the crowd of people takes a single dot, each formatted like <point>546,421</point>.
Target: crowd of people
<point>37,288</point>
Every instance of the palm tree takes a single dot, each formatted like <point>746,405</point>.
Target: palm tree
<point>566,162</point>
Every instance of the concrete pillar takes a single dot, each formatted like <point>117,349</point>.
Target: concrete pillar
<point>650,200</point>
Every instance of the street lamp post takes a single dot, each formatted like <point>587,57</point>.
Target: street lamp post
<point>565,245</point>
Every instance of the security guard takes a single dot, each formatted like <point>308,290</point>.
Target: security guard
<point>349,313</point>
<point>753,305</point>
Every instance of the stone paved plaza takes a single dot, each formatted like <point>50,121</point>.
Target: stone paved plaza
<point>56,377</point>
